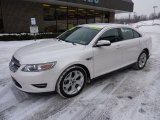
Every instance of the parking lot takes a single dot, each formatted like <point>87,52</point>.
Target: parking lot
<point>125,94</point>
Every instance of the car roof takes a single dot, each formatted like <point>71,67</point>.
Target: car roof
<point>103,25</point>
<point>100,26</point>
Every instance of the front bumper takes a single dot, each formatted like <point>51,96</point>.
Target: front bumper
<point>35,82</point>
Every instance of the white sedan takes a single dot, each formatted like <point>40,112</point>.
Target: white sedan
<point>80,54</point>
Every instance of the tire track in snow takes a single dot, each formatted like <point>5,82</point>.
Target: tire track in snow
<point>86,106</point>
<point>4,82</point>
<point>111,90</point>
<point>134,109</point>
<point>99,100</point>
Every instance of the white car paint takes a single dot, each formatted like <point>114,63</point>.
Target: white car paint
<point>105,59</point>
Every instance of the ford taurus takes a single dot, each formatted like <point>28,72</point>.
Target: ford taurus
<point>66,63</point>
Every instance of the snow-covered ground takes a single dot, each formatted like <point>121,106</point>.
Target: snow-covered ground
<point>148,26</point>
<point>126,94</point>
<point>149,22</point>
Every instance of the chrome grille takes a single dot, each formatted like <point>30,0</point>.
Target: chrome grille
<point>14,64</point>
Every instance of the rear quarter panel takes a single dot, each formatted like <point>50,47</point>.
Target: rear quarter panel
<point>146,42</point>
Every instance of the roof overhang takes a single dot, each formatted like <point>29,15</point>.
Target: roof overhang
<point>105,5</point>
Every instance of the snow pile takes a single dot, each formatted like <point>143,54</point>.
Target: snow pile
<point>147,23</point>
<point>151,29</point>
<point>148,26</point>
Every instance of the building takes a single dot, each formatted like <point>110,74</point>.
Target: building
<point>57,15</point>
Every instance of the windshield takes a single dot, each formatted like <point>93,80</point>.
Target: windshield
<point>80,35</point>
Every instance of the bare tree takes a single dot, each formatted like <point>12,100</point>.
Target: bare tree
<point>137,18</point>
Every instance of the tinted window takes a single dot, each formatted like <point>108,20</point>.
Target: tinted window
<point>136,34</point>
<point>80,35</point>
<point>111,35</point>
<point>127,33</point>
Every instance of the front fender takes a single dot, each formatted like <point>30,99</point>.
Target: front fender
<point>88,64</point>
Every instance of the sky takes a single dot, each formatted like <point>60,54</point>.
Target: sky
<point>144,7</point>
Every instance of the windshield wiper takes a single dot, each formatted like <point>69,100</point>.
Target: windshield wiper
<point>66,41</point>
<point>59,39</point>
<point>70,42</point>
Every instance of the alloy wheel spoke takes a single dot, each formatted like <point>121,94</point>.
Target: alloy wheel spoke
<point>73,82</point>
<point>77,75</point>
<point>70,76</point>
<point>142,60</point>
<point>73,89</point>
<point>66,86</point>
<point>79,82</point>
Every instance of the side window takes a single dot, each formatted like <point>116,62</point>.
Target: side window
<point>136,34</point>
<point>127,33</point>
<point>111,35</point>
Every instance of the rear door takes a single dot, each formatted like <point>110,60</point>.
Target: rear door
<point>130,45</point>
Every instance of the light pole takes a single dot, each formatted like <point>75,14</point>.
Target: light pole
<point>129,17</point>
<point>154,7</point>
<point>134,16</point>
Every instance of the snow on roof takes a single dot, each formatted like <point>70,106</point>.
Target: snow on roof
<point>102,25</point>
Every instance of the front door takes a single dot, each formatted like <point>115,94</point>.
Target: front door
<point>108,58</point>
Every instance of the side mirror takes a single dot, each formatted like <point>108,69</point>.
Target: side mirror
<point>101,43</point>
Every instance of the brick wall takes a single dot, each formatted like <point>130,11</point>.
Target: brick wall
<point>17,14</point>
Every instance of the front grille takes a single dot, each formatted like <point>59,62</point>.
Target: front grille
<point>14,64</point>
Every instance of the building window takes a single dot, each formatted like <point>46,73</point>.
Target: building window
<point>49,12</point>
<point>61,12</point>
<point>60,18</point>
<point>98,16</point>
<point>106,17</point>
<point>72,17</point>
<point>82,16</point>
<point>50,18</point>
<point>90,16</point>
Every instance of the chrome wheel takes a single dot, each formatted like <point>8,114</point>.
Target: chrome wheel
<point>73,82</point>
<point>142,60</point>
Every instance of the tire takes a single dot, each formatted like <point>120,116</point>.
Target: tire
<point>141,62</point>
<point>71,82</point>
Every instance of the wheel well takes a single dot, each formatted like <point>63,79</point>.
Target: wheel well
<point>80,65</point>
<point>85,68</point>
<point>147,52</point>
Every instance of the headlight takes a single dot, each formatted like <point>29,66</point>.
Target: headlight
<point>39,67</point>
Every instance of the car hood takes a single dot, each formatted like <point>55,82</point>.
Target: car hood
<point>46,51</point>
